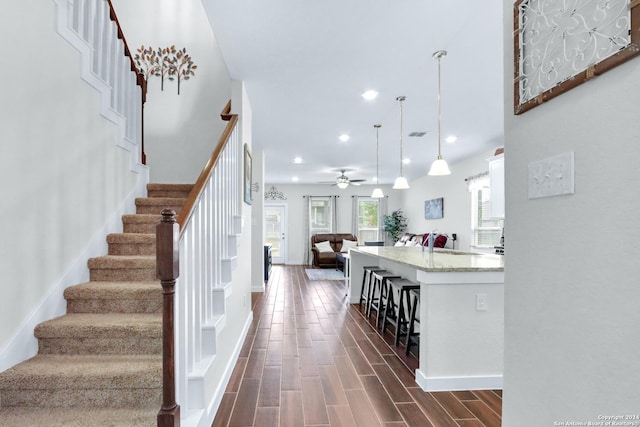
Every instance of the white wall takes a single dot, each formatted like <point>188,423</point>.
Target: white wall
<point>571,279</point>
<point>295,209</point>
<point>180,130</point>
<point>254,213</point>
<point>457,200</point>
<point>65,182</point>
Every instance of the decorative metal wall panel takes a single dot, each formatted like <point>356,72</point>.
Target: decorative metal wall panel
<point>560,44</point>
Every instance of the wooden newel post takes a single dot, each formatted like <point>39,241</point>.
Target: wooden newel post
<point>168,270</point>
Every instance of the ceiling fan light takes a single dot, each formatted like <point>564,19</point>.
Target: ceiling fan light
<point>439,167</point>
<point>400,183</point>
<point>377,193</point>
<point>342,185</point>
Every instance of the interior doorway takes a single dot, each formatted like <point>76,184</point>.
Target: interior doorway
<point>275,231</point>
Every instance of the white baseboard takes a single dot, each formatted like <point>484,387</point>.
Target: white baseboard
<point>258,288</point>
<point>488,382</point>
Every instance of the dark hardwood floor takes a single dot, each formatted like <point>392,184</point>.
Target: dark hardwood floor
<point>312,359</point>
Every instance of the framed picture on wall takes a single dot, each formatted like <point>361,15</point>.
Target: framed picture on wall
<point>433,209</point>
<point>247,175</point>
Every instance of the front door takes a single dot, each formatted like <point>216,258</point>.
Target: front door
<point>275,228</point>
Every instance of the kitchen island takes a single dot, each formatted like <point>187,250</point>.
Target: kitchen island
<point>461,312</point>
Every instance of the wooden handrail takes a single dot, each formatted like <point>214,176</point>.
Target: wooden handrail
<point>140,81</point>
<point>187,210</point>
<point>226,112</point>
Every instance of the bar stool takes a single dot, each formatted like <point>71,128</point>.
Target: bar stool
<point>378,293</point>
<point>413,337</point>
<point>365,290</point>
<point>398,306</point>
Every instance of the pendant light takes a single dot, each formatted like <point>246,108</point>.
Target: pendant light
<point>439,166</point>
<point>377,192</point>
<point>401,182</point>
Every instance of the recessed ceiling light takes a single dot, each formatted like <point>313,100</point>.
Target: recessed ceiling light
<point>298,160</point>
<point>406,161</point>
<point>344,137</point>
<point>451,138</point>
<point>294,179</point>
<point>370,94</point>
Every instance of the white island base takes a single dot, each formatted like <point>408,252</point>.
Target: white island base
<point>461,338</point>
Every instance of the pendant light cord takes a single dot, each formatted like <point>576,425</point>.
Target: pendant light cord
<point>377,153</point>
<point>401,137</point>
<point>401,100</point>
<point>439,56</point>
<point>439,165</point>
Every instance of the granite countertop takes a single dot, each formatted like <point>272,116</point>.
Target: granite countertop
<point>441,260</point>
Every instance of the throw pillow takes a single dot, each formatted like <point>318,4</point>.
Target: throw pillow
<point>440,241</point>
<point>411,243</point>
<point>324,246</point>
<point>346,244</point>
<point>399,243</point>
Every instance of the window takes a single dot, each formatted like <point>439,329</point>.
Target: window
<point>320,215</point>
<point>485,231</point>
<point>368,219</point>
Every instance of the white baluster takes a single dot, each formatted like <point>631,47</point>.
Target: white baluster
<point>197,280</point>
<point>76,9</point>
<point>208,259</point>
<point>104,42</point>
<point>85,19</point>
<point>180,335</point>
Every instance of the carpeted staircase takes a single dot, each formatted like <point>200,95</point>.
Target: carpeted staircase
<point>100,364</point>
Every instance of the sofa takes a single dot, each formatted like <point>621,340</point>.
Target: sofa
<point>324,255</point>
<point>410,239</point>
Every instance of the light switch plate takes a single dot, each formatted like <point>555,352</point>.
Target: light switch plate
<point>481,302</point>
<point>552,176</point>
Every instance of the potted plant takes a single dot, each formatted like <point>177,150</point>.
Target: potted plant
<point>395,224</point>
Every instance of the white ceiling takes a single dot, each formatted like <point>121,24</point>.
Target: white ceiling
<point>305,64</point>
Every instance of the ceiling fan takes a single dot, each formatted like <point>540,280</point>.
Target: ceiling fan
<point>343,181</point>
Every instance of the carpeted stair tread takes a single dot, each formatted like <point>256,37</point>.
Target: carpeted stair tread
<point>155,205</point>
<point>132,243</point>
<point>114,290</point>
<point>140,223</point>
<point>154,201</point>
<point>122,268</point>
<point>101,325</point>
<point>79,417</point>
<point>105,381</point>
<point>53,371</point>
<point>131,238</point>
<point>123,261</point>
<point>169,190</point>
<point>114,297</point>
<point>93,333</point>
<point>142,218</point>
